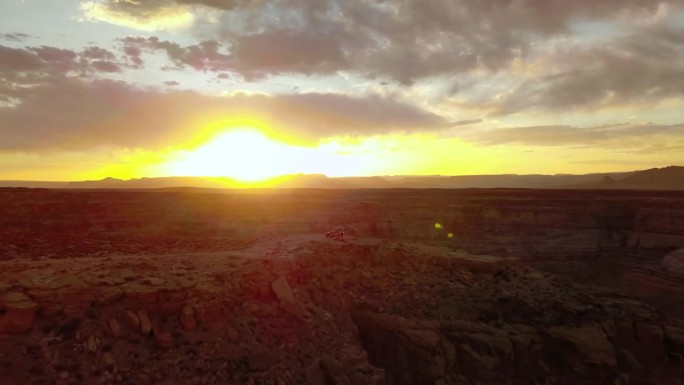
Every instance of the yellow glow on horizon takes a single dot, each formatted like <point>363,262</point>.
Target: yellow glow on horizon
<point>243,154</point>
<point>253,155</point>
<point>259,155</point>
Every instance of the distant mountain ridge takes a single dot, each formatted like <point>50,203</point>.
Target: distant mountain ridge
<point>666,178</point>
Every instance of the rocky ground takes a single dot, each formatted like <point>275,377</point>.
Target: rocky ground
<point>311,310</point>
<point>303,309</point>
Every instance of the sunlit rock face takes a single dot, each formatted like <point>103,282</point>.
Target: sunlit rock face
<point>461,352</point>
<point>674,262</point>
<point>659,227</point>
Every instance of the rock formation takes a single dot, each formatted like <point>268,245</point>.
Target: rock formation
<point>269,300</point>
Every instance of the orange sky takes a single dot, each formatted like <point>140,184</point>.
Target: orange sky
<point>94,89</point>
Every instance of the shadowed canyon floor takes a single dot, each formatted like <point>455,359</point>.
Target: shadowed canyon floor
<point>429,287</point>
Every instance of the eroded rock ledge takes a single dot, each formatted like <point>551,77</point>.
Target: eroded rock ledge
<point>461,352</point>
<point>308,310</point>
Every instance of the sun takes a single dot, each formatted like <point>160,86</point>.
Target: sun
<point>255,155</point>
<point>244,154</point>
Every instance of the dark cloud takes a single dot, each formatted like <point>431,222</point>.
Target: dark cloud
<point>33,64</point>
<point>63,60</point>
<point>287,51</point>
<point>204,56</point>
<point>97,53</point>
<point>171,83</point>
<point>133,55</point>
<point>105,66</point>
<point>645,66</point>
<point>405,40</point>
<point>16,59</point>
<point>15,37</point>
<point>466,122</point>
<point>223,4</point>
<point>458,39</point>
<point>70,113</point>
<point>602,136</point>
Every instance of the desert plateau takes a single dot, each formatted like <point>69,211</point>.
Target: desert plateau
<point>201,286</point>
<point>341,192</point>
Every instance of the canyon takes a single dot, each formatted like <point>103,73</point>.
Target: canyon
<point>430,286</point>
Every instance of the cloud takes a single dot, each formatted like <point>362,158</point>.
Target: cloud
<point>17,59</point>
<point>59,59</point>
<point>466,122</point>
<point>204,56</point>
<point>105,66</point>
<point>644,66</point>
<point>15,37</point>
<point>406,40</point>
<point>31,65</point>
<point>147,15</point>
<point>648,137</point>
<point>286,51</point>
<point>556,55</point>
<point>97,53</point>
<point>71,113</point>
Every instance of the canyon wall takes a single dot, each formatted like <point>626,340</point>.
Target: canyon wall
<point>626,233</point>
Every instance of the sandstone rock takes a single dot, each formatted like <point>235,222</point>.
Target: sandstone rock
<point>232,335</point>
<point>395,342</point>
<point>651,344</point>
<point>17,312</point>
<point>295,308</point>
<point>49,309</point>
<point>481,351</point>
<point>209,312</point>
<point>674,262</point>
<point>115,328</point>
<point>131,320</point>
<point>92,344</point>
<point>145,324</point>
<point>674,338</point>
<point>651,336</point>
<point>143,379</point>
<point>187,318</point>
<point>586,351</point>
<point>261,310</point>
<point>162,336</point>
<point>352,355</point>
<point>260,358</point>
<point>282,290</point>
<point>140,293</point>
<point>108,294</point>
<point>77,296</point>
<point>108,359</point>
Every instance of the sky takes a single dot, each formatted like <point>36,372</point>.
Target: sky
<point>256,88</point>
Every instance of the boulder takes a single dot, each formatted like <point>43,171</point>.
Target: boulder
<point>585,351</point>
<point>115,328</point>
<point>187,318</point>
<point>674,262</point>
<point>145,324</point>
<point>131,320</point>
<point>282,290</point>
<point>92,344</point>
<point>108,360</point>
<point>162,336</point>
<point>17,311</point>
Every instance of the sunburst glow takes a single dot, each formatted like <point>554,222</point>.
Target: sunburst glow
<point>252,155</point>
<point>244,154</point>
